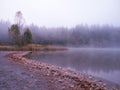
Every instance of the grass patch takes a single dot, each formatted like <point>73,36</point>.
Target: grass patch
<point>30,47</point>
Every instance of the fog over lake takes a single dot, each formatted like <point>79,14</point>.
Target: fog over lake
<point>101,62</point>
<point>88,29</point>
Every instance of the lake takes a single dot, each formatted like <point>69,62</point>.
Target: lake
<point>100,62</point>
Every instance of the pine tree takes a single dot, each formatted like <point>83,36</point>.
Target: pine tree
<point>27,37</point>
<point>14,33</point>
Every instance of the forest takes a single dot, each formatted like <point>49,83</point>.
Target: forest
<point>80,35</point>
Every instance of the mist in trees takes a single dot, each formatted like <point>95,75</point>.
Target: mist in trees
<point>80,35</point>
<point>19,19</point>
<point>4,37</point>
<point>15,31</point>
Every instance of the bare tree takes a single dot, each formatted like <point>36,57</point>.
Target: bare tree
<point>19,20</point>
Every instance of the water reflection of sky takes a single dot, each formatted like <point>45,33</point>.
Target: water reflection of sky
<point>103,63</point>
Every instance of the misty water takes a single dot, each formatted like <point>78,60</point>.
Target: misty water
<point>100,62</point>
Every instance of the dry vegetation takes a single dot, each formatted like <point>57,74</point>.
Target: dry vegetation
<point>31,47</point>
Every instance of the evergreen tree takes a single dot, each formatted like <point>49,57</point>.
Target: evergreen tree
<point>27,37</point>
<point>14,33</point>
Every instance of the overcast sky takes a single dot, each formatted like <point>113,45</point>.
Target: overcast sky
<point>55,13</point>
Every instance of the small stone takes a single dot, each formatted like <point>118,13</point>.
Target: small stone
<point>60,81</point>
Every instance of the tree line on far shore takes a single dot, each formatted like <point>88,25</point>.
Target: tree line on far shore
<point>80,35</point>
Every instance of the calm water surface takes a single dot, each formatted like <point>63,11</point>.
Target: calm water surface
<point>100,62</point>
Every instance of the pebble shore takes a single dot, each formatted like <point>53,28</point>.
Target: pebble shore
<point>61,78</point>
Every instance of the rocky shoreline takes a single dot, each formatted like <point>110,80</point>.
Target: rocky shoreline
<point>61,78</point>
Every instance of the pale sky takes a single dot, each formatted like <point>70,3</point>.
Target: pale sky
<point>68,13</point>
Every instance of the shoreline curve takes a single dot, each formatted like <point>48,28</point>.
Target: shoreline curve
<point>67,79</point>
